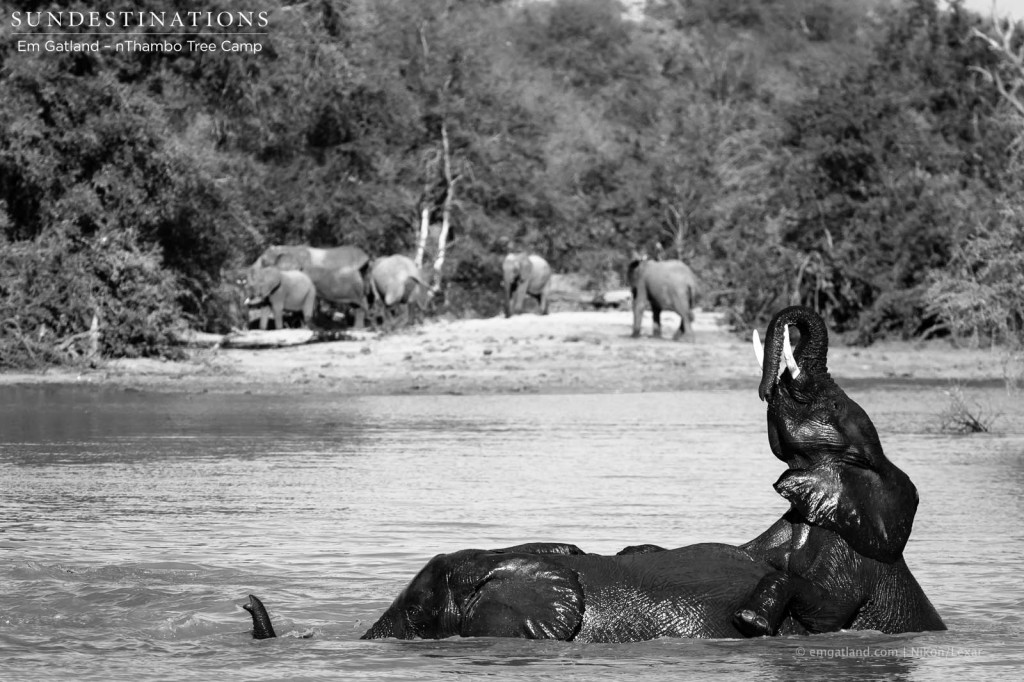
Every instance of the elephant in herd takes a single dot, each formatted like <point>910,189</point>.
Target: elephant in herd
<point>338,276</point>
<point>271,289</point>
<point>833,561</point>
<point>282,278</point>
<point>663,285</point>
<point>346,276</point>
<point>397,283</point>
<point>525,274</point>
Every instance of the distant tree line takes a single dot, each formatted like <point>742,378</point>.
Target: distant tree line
<point>849,155</point>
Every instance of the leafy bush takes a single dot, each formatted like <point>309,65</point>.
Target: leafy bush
<point>52,290</point>
<point>981,294</point>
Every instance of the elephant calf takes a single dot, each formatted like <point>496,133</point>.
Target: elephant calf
<point>524,274</point>
<point>271,289</point>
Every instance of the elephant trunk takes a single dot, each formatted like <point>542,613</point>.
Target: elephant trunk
<point>810,353</point>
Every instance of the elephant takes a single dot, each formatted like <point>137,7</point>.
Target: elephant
<point>665,285</point>
<point>556,591</point>
<point>524,274</point>
<point>850,506</point>
<point>396,281</point>
<point>833,561</point>
<point>340,274</point>
<point>272,289</point>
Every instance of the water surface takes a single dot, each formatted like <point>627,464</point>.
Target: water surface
<point>133,525</point>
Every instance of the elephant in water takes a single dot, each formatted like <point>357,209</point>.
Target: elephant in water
<point>839,550</point>
<point>833,561</point>
<point>396,281</point>
<point>272,289</point>
<point>340,275</point>
<point>665,285</point>
<point>523,274</point>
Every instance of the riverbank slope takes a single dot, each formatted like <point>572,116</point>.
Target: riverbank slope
<point>564,352</point>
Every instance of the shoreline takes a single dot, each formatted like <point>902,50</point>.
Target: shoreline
<point>561,353</point>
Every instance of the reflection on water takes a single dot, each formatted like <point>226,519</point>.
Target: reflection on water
<point>134,525</point>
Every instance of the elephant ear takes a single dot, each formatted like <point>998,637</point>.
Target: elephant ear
<point>526,597</point>
<point>873,511</point>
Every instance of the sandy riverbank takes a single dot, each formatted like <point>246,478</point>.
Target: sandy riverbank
<point>565,352</point>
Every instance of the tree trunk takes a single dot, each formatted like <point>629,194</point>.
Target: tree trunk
<point>446,210</point>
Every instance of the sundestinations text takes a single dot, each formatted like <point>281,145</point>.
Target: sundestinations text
<point>128,19</point>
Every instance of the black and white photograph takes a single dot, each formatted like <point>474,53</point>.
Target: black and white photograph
<point>512,340</point>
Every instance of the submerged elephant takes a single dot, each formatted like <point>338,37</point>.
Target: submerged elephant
<point>396,282</point>
<point>556,591</point>
<point>664,285</point>
<point>523,274</point>
<point>340,274</point>
<point>839,550</point>
<point>273,290</point>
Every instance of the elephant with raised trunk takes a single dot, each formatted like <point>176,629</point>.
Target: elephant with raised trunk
<point>397,283</point>
<point>664,285</point>
<point>833,561</point>
<point>839,550</point>
<point>524,274</point>
<point>339,274</point>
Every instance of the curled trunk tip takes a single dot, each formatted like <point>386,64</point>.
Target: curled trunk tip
<point>810,353</point>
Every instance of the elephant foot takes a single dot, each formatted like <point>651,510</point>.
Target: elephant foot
<point>751,624</point>
<point>635,334</point>
<point>656,334</point>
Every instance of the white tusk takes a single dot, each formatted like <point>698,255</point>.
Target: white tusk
<point>787,353</point>
<point>758,351</point>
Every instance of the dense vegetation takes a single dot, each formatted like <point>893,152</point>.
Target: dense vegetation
<point>852,155</point>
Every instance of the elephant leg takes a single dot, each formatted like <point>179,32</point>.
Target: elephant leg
<point>765,609</point>
<point>308,306</point>
<point>783,593</point>
<point>520,298</point>
<point>544,300</point>
<point>508,300</point>
<point>656,317</point>
<point>264,316</point>
<point>363,315</point>
<point>684,324</point>
<point>278,307</point>
<point>638,312</point>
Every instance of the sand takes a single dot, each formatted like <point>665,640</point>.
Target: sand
<point>564,352</point>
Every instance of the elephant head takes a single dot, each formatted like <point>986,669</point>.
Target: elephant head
<point>838,478</point>
<point>260,284</point>
<point>474,593</point>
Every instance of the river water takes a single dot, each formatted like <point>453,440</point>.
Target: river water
<point>133,525</point>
